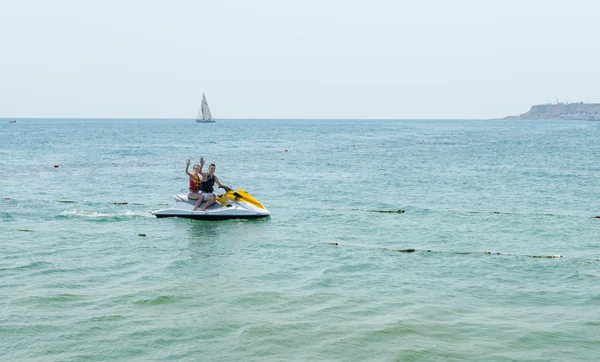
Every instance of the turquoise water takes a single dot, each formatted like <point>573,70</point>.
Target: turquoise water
<point>79,282</point>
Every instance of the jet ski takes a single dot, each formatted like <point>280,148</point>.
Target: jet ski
<point>230,205</point>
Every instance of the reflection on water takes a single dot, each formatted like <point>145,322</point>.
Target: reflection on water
<point>218,248</point>
<point>200,230</point>
<point>218,238</point>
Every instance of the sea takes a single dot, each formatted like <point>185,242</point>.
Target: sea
<point>388,240</point>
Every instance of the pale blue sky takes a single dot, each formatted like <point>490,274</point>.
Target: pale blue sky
<point>296,59</point>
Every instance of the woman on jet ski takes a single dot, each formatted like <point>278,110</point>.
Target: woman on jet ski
<point>207,186</point>
<point>195,180</point>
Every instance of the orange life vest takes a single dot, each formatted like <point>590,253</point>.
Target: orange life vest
<point>195,183</point>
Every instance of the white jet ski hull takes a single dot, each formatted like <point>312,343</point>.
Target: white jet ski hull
<point>232,205</point>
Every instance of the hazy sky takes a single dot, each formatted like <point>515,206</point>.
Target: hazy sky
<point>296,59</point>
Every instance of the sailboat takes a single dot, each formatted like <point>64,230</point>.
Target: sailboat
<point>204,115</point>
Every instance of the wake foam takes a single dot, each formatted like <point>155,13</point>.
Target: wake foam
<point>99,215</point>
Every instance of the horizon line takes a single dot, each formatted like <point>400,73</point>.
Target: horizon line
<point>252,118</point>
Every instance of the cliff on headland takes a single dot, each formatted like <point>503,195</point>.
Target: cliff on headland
<point>583,111</point>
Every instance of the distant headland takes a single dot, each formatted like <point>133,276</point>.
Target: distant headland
<point>575,111</point>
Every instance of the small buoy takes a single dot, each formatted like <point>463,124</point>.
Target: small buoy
<point>285,150</point>
<point>56,165</point>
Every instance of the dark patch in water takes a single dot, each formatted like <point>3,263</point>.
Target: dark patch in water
<point>163,299</point>
<point>35,264</point>
<point>59,298</point>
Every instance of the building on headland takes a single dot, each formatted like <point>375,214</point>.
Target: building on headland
<point>574,111</point>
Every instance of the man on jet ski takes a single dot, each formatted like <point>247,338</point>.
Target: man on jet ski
<point>207,183</point>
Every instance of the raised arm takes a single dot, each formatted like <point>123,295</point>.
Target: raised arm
<point>202,173</point>
<point>187,168</point>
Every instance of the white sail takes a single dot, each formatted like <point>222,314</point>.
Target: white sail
<point>204,113</point>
